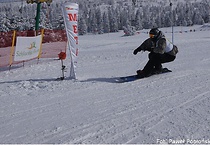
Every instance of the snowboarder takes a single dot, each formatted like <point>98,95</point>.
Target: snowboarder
<point>161,51</point>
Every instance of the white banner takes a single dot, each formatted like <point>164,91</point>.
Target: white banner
<point>27,48</point>
<point>70,14</point>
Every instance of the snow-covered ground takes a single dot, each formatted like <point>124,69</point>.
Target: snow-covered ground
<point>94,109</point>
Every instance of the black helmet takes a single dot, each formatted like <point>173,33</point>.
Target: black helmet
<point>154,33</point>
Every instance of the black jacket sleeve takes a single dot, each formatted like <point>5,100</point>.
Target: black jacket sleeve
<point>145,46</point>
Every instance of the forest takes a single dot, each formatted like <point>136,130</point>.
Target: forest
<point>107,16</point>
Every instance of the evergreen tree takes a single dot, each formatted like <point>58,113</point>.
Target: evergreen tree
<point>82,26</point>
<point>138,20</point>
<point>106,23</point>
<point>123,18</point>
<point>99,21</point>
<point>128,29</point>
<point>93,22</point>
<point>188,15</point>
<point>204,9</point>
<point>146,18</point>
<point>112,20</point>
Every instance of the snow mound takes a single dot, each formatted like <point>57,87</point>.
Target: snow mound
<point>205,27</point>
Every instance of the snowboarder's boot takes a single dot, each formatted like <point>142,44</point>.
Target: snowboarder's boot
<point>140,74</point>
<point>156,71</point>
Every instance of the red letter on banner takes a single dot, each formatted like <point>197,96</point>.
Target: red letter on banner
<point>76,38</point>
<point>72,17</point>
<point>75,28</point>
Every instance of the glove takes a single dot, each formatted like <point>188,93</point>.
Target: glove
<point>135,51</point>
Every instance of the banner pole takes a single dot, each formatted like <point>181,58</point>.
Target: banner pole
<point>12,49</point>
<point>38,9</point>
<point>40,50</point>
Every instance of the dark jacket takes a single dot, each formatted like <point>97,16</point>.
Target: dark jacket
<point>158,45</point>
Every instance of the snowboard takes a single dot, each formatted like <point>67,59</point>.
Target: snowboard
<point>135,77</point>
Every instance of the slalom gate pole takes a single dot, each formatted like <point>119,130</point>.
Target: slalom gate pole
<point>62,69</point>
<point>62,56</point>
<point>172,22</point>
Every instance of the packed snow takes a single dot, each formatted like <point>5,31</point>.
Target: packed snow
<point>94,109</point>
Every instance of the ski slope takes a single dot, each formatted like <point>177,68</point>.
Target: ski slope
<point>172,107</point>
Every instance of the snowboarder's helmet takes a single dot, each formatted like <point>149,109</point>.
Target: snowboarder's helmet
<point>154,32</point>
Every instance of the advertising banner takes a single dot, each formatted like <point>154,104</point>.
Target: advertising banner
<point>70,14</point>
<point>27,48</point>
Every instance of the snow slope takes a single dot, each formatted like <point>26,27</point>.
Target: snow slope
<point>94,109</point>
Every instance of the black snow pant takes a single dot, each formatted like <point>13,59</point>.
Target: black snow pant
<point>155,62</point>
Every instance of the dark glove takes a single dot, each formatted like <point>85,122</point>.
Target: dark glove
<point>135,51</point>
